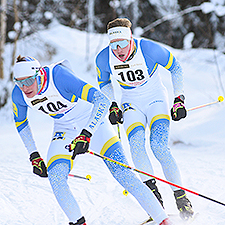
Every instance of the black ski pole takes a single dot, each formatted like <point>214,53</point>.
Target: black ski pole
<point>88,177</point>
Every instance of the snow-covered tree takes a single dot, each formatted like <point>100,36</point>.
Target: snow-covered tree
<point>3,22</point>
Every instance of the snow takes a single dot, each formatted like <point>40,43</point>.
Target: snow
<point>207,7</point>
<point>188,40</point>
<point>197,143</point>
<point>218,7</point>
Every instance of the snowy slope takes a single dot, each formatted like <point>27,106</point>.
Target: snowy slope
<point>196,142</point>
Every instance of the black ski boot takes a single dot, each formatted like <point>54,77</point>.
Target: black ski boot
<point>183,204</point>
<point>152,185</point>
<point>81,221</point>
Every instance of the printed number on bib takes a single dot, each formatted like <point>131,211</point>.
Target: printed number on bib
<point>52,108</point>
<point>131,76</point>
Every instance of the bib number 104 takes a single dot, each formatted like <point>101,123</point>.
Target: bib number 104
<point>131,75</point>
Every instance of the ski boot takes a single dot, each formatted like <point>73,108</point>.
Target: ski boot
<point>166,222</point>
<point>81,221</point>
<point>183,204</point>
<point>152,185</point>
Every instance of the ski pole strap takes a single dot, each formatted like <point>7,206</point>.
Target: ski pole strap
<point>147,174</point>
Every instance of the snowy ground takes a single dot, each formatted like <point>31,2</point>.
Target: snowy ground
<point>197,144</point>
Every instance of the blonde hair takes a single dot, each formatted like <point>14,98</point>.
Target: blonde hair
<point>119,22</point>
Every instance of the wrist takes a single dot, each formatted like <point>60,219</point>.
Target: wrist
<point>114,104</point>
<point>34,155</point>
<point>181,97</point>
<point>86,133</point>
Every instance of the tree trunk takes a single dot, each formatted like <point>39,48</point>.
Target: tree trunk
<point>2,35</point>
<point>135,10</point>
<point>18,30</point>
<point>90,29</point>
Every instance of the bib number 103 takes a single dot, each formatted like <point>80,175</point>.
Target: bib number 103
<point>131,75</point>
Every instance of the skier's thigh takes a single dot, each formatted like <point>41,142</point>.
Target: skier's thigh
<point>158,110</point>
<point>104,137</point>
<point>132,117</point>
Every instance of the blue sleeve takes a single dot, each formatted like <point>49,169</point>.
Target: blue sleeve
<point>21,121</point>
<point>103,68</point>
<point>70,86</point>
<point>156,54</point>
<point>19,109</point>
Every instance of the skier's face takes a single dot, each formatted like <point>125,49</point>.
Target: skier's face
<point>31,90</point>
<point>121,48</point>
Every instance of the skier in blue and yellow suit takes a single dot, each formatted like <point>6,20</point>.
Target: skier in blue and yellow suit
<point>78,110</point>
<point>134,63</point>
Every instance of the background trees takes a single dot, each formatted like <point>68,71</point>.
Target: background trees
<point>205,22</point>
<point>201,22</point>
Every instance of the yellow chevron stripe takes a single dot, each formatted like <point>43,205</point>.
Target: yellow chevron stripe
<point>15,110</point>
<point>108,144</point>
<point>19,123</point>
<point>73,98</point>
<point>158,117</point>
<point>122,84</point>
<point>132,126</point>
<point>54,158</point>
<point>100,82</point>
<point>153,69</point>
<point>85,91</point>
<point>169,64</point>
<point>98,72</point>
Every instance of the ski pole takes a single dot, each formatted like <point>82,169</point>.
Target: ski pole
<point>220,99</point>
<point>118,130</point>
<point>125,192</point>
<point>157,178</point>
<point>88,177</point>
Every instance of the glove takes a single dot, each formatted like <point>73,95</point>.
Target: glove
<point>178,110</point>
<point>80,144</point>
<point>115,114</point>
<point>38,164</point>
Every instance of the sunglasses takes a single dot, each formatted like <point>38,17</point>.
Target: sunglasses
<point>27,82</point>
<point>122,44</point>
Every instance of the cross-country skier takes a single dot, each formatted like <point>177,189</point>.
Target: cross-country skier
<point>134,63</point>
<point>78,110</point>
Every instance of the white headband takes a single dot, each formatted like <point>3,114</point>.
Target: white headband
<point>26,68</point>
<point>119,32</point>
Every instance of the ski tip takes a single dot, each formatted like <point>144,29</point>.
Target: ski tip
<point>148,221</point>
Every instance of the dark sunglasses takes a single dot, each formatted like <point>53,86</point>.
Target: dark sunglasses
<point>122,44</point>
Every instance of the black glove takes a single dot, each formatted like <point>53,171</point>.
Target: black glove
<point>178,110</point>
<point>80,144</point>
<point>38,164</point>
<point>115,114</point>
